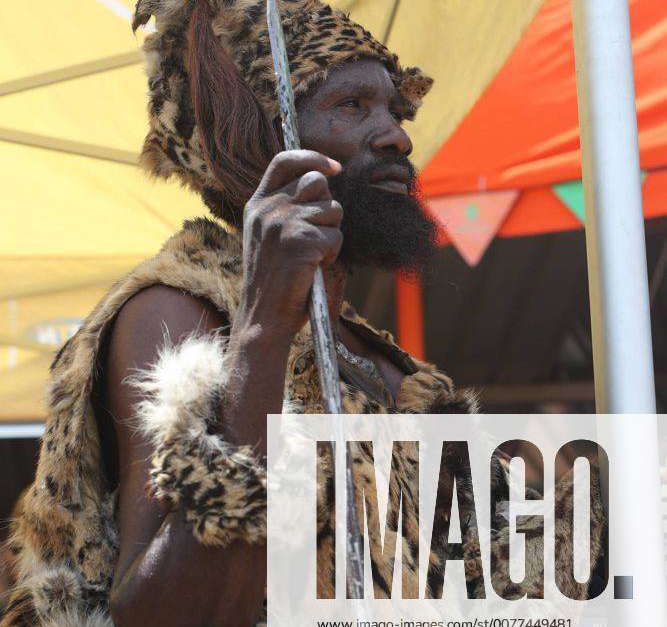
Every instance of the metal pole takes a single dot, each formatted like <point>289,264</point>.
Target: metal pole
<point>618,280</point>
<point>620,310</point>
<point>21,430</point>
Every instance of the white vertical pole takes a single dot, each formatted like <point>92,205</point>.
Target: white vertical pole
<point>620,311</point>
<point>620,315</point>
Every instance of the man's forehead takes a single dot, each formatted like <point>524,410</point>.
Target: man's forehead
<point>363,75</point>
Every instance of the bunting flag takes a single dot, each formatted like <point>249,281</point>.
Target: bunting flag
<point>470,221</point>
<point>572,196</point>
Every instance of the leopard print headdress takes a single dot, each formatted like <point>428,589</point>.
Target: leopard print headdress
<point>317,37</point>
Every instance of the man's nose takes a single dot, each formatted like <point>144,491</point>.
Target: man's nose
<point>391,137</point>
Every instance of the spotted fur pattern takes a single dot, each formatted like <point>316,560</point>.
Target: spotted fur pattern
<point>318,38</point>
<point>65,542</point>
<point>220,487</point>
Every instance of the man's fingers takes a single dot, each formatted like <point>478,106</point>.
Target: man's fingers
<point>325,213</point>
<point>312,186</point>
<point>318,244</point>
<point>289,165</point>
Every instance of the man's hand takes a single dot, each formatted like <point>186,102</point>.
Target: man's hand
<point>291,225</point>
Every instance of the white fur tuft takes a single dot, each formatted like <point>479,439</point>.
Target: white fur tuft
<point>179,391</point>
<point>292,406</point>
<point>76,618</point>
<point>180,388</point>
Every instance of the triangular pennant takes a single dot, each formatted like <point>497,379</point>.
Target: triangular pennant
<point>572,196</point>
<point>471,220</point>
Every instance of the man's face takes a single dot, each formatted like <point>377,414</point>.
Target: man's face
<point>355,117</point>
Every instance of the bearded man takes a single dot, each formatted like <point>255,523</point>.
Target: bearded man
<point>148,506</point>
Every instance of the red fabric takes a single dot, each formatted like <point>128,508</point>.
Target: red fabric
<point>523,131</point>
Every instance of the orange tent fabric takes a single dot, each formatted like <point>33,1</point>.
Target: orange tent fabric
<point>538,210</point>
<point>523,132</point>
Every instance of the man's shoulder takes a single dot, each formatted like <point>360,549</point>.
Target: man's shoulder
<point>195,272</point>
<point>170,307</point>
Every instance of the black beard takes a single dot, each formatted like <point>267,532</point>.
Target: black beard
<point>380,228</point>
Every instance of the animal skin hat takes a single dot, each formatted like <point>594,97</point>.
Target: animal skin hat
<point>318,38</point>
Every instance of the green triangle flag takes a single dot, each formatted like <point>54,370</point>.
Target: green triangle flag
<point>572,196</point>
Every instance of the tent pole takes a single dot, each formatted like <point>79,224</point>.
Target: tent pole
<point>619,300</point>
<point>616,249</point>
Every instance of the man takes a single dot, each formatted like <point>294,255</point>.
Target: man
<point>92,545</point>
<point>356,178</point>
<point>149,501</point>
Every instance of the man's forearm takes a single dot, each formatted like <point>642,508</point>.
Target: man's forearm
<point>256,362</point>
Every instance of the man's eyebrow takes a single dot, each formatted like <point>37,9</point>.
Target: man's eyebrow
<point>355,87</point>
<point>366,90</point>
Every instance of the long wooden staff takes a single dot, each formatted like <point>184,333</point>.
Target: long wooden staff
<point>325,351</point>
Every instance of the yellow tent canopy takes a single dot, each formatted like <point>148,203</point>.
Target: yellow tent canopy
<point>77,212</point>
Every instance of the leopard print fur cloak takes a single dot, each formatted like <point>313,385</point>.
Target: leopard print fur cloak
<point>65,543</point>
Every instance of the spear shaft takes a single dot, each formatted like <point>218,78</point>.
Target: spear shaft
<point>325,351</point>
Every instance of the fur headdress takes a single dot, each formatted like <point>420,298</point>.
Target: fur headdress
<point>317,37</point>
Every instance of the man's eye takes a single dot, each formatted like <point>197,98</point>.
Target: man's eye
<point>352,103</point>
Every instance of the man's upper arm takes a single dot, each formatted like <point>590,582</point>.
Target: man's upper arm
<point>136,338</point>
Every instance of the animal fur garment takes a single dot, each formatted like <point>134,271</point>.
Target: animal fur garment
<point>220,487</point>
<point>318,38</point>
<point>65,543</point>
